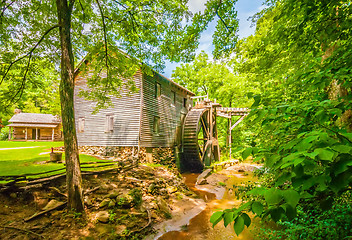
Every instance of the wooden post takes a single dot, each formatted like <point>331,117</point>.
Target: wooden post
<point>36,133</point>
<point>10,133</point>
<point>52,134</point>
<point>230,138</point>
<point>26,135</point>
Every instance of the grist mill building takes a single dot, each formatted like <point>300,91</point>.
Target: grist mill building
<point>149,119</point>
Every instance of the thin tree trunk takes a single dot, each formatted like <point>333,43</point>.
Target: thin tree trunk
<point>73,170</point>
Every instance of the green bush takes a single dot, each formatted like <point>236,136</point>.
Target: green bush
<point>314,223</point>
<point>4,134</point>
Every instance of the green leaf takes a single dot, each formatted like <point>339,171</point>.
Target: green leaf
<point>228,218</point>
<point>257,99</point>
<point>276,213</point>
<point>298,161</point>
<point>256,191</point>
<point>285,165</point>
<point>347,135</point>
<point>246,153</point>
<point>257,208</point>
<point>311,155</point>
<point>324,154</point>
<point>216,217</point>
<point>291,212</point>
<point>273,196</point>
<point>291,197</point>
<point>342,148</point>
<point>247,219</point>
<point>238,225</point>
<point>292,156</point>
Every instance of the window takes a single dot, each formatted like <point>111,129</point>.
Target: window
<point>81,122</point>
<point>185,102</point>
<point>157,90</point>
<point>109,123</point>
<point>173,97</point>
<point>156,125</point>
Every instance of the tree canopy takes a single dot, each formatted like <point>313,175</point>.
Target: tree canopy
<point>298,59</point>
<point>117,35</point>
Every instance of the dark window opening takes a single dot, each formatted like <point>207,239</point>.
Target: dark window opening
<point>156,125</point>
<point>185,102</point>
<point>157,90</point>
<point>173,97</point>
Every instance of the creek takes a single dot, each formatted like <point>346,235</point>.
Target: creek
<point>199,227</point>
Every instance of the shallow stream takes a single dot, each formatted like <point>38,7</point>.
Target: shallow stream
<point>199,227</point>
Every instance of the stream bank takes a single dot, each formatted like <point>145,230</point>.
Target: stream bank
<point>215,192</point>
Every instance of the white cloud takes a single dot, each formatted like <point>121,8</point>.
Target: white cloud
<point>196,5</point>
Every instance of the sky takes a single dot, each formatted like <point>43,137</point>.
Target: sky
<point>245,9</point>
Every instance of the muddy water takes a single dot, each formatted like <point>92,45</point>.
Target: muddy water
<point>199,227</point>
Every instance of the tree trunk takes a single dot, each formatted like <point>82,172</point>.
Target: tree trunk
<point>73,170</point>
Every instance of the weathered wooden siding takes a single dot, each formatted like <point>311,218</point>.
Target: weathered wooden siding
<point>164,108</point>
<point>125,111</point>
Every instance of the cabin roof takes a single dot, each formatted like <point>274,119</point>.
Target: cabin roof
<point>34,118</point>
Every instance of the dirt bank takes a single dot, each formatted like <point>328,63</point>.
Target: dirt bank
<point>119,205</point>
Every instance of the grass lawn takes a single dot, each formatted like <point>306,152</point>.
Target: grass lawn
<point>30,158</point>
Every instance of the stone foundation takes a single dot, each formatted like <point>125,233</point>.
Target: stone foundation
<point>164,156</point>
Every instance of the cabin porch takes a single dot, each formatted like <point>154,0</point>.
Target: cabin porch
<point>34,133</point>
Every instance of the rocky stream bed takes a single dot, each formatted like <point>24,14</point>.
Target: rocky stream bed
<point>147,201</point>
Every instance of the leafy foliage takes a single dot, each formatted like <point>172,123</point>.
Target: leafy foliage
<point>298,57</point>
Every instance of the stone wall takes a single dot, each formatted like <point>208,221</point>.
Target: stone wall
<point>164,156</point>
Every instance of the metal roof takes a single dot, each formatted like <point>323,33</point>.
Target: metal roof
<point>34,118</point>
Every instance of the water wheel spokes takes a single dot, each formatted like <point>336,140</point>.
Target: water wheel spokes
<point>199,139</point>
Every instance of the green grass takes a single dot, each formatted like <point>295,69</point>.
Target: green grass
<point>30,160</point>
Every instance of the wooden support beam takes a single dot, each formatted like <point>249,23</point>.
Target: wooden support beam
<point>52,134</point>
<point>26,137</point>
<point>230,139</point>
<point>237,122</point>
<point>36,133</point>
<point>9,133</point>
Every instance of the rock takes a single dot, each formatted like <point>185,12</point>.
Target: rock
<point>87,201</point>
<point>203,176</point>
<point>112,204</point>
<point>151,187</point>
<point>163,192</point>
<point>120,229</point>
<point>13,195</point>
<point>202,182</point>
<point>171,189</point>
<point>103,216</point>
<point>125,201</point>
<point>240,170</point>
<point>163,206</point>
<point>112,195</point>
<point>104,203</point>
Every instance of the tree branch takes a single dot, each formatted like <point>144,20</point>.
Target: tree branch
<point>4,9</point>
<point>105,39</point>
<point>29,53</point>
<point>227,27</point>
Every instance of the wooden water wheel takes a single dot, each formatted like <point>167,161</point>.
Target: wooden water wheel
<point>200,139</point>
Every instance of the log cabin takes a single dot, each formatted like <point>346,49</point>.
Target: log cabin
<point>35,126</point>
<point>150,118</point>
